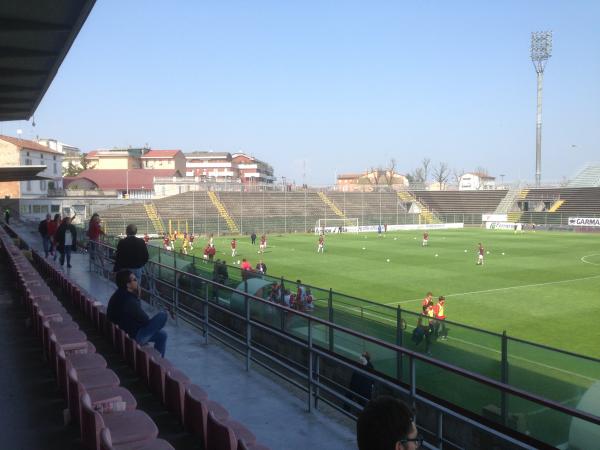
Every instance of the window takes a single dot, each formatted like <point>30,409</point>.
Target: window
<point>55,208</point>
<point>55,169</point>
<point>28,188</point>
<point>54,157</point>
<point>28,162</point>
<point>43,185</point>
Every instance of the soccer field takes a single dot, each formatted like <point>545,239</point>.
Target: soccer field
<point>540,286</point>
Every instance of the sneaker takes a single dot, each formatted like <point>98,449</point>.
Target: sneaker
<point>69,266</point>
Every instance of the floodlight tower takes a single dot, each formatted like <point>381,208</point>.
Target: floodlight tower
<point>541,51</point>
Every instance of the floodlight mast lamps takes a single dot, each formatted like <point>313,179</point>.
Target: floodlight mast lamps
<point>541,51</point>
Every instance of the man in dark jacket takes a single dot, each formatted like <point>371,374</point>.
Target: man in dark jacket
<point>132,253</point>
<point>124,309</point>
<point>43,230</point>
<point>66,240</point>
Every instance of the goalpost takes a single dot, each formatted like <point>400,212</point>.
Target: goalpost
<point>333,225</point>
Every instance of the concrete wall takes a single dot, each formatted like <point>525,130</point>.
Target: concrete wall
<point>9,156</point>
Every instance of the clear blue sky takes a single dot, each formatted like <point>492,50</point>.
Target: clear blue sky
<point>341,85</point>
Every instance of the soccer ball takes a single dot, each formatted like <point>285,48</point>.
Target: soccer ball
<point>487,253</point>
<point>502,253</point>
<point>436,255</point>
<point>395,238</point>
<point>388,260</point>
<point>465,250</point>
<point>364,248</point>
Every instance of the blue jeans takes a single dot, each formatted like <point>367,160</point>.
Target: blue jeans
<point>47,245</point>
<point>66,252</point>
<point>153,332</point>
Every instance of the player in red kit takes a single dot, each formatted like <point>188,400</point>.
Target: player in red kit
<point>425,239</point>
<point>263,244</point>
<point>321,246</point>
<point>480,251</point>
<point>233,247</point>
<point>146,238</point>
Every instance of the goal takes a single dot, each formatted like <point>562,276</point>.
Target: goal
<point>333,225</point>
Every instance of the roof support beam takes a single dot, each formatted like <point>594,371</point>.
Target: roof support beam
<point>8,24</point>
<point>19,52</point>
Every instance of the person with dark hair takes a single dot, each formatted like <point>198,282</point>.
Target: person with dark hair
<point>361,384</point>
<point>253,238</point>
<point>66,238</point>
<point>43,230</point>
<point>52,229</point>
<point>94,232</point>
<point>7,216</point>
<point>387,423</point>
<point>125,310</point>
<point>132,253</point>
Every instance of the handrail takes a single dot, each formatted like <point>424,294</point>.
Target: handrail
<point>505,388</point>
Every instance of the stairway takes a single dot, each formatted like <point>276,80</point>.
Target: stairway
<point>427,215</point>
<point>508,201</point>
<point>152,214</point>
<point>337,211</point>
<point>223,212</point>
<point>557,204</point>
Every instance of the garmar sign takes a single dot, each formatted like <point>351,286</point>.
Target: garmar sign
<point>584,221</point>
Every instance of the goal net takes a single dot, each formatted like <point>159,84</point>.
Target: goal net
<point>337,225</point>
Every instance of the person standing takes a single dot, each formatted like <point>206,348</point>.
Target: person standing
<point>480,252</point>
<point>94,232</point>
<point>132,254</point>
<point>440,318</point>
<point>321,245</point>
<point>66,238</point>
<point>146,238</point>
<point>233,247</point>
<point>428,299</point>
<point>7,216</point>
<point>425,239</point>
<point>125,310</point>
<point>253,238</point>
<point>361,384</point>
<point>52,228</point>
<point>263,244</point>
<point>43,230</point>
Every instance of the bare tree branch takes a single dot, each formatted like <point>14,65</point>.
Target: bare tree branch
<point>441,173</point>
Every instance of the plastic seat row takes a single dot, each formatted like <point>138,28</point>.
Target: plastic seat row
<point>188,402</point>
<point>92,392</point>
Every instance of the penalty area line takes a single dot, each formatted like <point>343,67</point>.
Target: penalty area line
<point>501,289</point>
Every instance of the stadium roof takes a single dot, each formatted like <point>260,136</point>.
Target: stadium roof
<point>36,37</point>
<point>21,173</point>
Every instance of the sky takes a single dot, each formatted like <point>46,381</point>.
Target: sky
<point>319,88</point>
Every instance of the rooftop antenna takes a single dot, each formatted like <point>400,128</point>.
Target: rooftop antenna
<point>541,51</point>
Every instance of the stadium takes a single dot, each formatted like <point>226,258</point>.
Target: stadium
<point>286,303</point>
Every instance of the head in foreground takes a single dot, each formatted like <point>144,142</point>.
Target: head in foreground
<point>387,423</point>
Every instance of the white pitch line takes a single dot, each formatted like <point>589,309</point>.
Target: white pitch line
<point>501,289</point>
<point>583,259</point>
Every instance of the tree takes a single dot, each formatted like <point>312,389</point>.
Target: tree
<point>73,170</point>
<point>482,171</point>
<point>456,174</point>
<point>390,172</point>
<point>425,166</point>
<point>441,173</point>
<point>374,175</point>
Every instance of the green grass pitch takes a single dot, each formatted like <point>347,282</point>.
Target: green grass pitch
<point>537,286</point>
<point>541,287</point>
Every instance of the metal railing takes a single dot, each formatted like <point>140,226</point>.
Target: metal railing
<point>256,328</point>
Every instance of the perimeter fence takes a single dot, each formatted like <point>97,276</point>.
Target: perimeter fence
<point>551,373</point>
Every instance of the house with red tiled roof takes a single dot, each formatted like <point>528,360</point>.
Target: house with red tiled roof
<point>164,159</point>
<point>23,152</point>
<point>132,183</point>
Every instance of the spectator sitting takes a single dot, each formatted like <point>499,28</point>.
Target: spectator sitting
<point>125,310</point>
<point>387,423</point>
<point>361,384</point>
